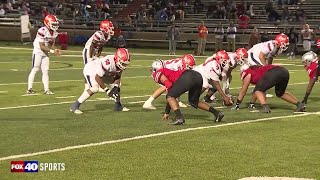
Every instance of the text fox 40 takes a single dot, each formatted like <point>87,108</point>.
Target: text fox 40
<point>34,166</point>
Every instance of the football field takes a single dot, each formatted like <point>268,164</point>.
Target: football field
<point>103,144</point>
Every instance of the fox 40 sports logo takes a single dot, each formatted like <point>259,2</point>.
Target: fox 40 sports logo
<point>35,166</point>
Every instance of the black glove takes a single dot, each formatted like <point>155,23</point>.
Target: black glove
<point>113,93</point>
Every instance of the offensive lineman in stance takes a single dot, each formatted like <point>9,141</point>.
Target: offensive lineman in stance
<point>94,72</point>
<point>44,44</point>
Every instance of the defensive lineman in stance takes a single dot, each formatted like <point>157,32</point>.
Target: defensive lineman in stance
<point>94,71</point>
<point>43,44</point>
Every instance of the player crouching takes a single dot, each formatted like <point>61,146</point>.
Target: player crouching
<point>310,61</point>
<point>264,78</point>
<point>177,83</point>
<point>183,63</point>
<point>94,71</point>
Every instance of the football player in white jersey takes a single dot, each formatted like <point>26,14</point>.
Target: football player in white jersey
<point>94,71</point>
<point>185,62</point>
<point>44,44</point>
<point>95,43</point>
<point>258,53</point>
<point>211,71</point>
<point>235,58</point>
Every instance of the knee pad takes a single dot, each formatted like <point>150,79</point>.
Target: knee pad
<point>194,104</point>
<point>279,93</point>
<point>94,89</point>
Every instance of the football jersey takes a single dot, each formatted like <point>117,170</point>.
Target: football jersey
<point>101,66</point>
<point>46,36</point>
<point>312,70</point>
<point>268,48</point>
<point>174,64</point>
<point>171,75</point>
<point>209,70</point>
<point>256,73</point>
<point>99,38</point>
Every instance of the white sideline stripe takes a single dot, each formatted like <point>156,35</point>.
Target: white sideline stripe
<point>149,136</point>
<point>3,92</point>
<point>136,102</point>
<point>65,97</point>
<point>66,102</point>
<point>62,81</point>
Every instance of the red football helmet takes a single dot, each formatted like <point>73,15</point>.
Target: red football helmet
<point>241,55</point>
<point>189,61</point>
<point>122,58</point>
<point>282,42</point>
<point>107,27</point>
<point>51,22</point>
<point>222,58</point>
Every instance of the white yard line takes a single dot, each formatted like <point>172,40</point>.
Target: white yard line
<point>66,102</point>
<point>150,135</point>
<point>65,97</point>
<point>62,81</point>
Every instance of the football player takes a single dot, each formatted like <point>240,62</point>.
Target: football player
<point>258,53</point>
<point>211,71</point>
<point>95,43</point>
<point>44,44</point>
<point>310,62</point>
<point>94,71</point>
<point>177,83</point>
<point>236,58</point>
<point>185,62</point>
<point>266,77</point>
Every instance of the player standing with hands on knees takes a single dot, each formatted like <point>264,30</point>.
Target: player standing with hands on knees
<point>95,43</point>
<point>94,72</point>
<point>44,44</point>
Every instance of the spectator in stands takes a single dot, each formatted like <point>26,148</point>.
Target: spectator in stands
<point>241,8</point>
<point>121,42</point>
<point>2,11</point>
<point>307,36</point>
<point>212,11</point>
<point>232,11</point>
<point>221,11</point>
<point>293,39</point>
<point>128,21</point>
<point>197,7</point>
<point>254,38</point>
<point>268,6</point>
<point>203,33</point>
<point>274,15</point>
<point>285,15</point>
<point>8,6</point>
<point>265,36</point>
<point>231,31</point>
<point>106,11</point>
<point>173,35</point>
<point>219,35</point>
<point>299,14</point>
<point>181,11</point>
<point>141,14</point>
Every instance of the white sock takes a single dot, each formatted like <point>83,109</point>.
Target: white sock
<point>86,86</point>
<point>85,95</point>
<point>31,77</point>
<point>150,100</point>
<point>45,80</point>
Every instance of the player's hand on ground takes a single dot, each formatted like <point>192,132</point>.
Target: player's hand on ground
<point>57,52</point>
<point>227,101</point>
<point>165,117</point>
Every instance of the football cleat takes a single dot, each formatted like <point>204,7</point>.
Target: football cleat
<point>182,105</point>
<point>76,111</point>
<point>30,91</point>
<point>269,95</point>
<point>219,117</point>
<point>148,106</point>
<point>265,109</point>
<point>301,107</point>
<point>119,107</point>
<point>48,92</point>
<point>178,122</point>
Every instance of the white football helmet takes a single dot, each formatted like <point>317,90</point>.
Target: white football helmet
<point>308,58</point>
<point>156,65</point>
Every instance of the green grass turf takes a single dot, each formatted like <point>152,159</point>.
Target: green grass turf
<point>277,148</point>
